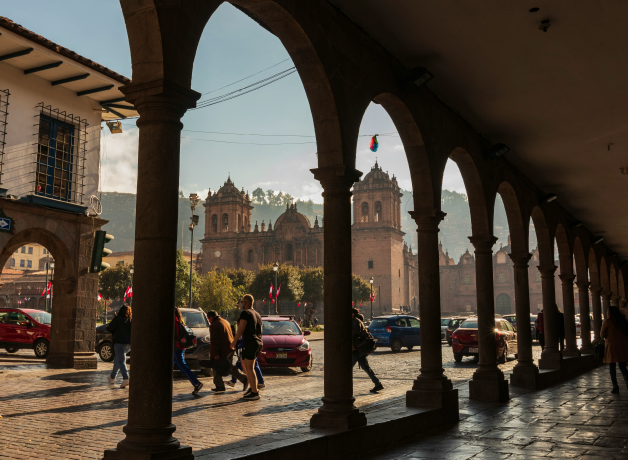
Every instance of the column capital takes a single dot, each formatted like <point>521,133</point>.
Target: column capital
<point>583,285</point>
<point>567,278</point>
<point>427,220</point>
<point>547,270</point>
<point>520,259</point>
<point>483,244</point>
<point>160,89</point>
<point>336,178</point>
<point>595,290</point>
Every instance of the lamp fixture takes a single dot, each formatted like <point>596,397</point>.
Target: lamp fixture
<point>549,198</point>
<point>275,267</point>
<point>545,24</point>
<point>371,280</point>
<point>420,76</point>
<point>497,150</point>
<point>598,240</point>
<point>115,127</point>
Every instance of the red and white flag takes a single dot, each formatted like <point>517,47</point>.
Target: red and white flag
<point>128,294</point>
<point>270,293</point>
<point>278,289</point>
<point>372,297</point>
<point>46,291</point>
<point>99,298</point>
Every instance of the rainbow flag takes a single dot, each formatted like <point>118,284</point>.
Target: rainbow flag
<point>374,144</point>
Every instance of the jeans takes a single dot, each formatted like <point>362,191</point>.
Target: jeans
<point>258,372</point>
<point>119,360</point>
<point>179,360</point>
<point>613,370</point>
<point>364,364</point>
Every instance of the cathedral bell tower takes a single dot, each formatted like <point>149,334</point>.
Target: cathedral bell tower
<point>227,211</point>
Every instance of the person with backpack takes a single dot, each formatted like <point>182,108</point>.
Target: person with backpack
<point>181,342</point>
<point>120,329</point>
<point>363,345</point>
<point>615,332</point>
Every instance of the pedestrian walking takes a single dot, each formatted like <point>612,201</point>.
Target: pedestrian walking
<point>358,332</point>
<point>561,328</point>
<point>250,329</point>
<point>120,329</point>
<point>540,331</point>
<point>238,365</point>
<point>615,331</point>
<point>179,352</point>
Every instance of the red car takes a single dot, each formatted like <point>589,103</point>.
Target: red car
<point>25,328</point>
<point>465,340</point>
<point>284,344</point>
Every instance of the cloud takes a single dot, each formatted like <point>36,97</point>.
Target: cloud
<point>119,161</point>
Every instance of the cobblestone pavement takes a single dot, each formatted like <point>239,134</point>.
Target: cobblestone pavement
<point>76,414</point>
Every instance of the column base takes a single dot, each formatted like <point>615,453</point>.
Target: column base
<point>571,352</point>
<point>182,453</point>
<point>550,361</point>
<point>327,419</point>
<point>489,386</point>
<point>525,376</point>
<point>78,360</point>
<point>586,350</point>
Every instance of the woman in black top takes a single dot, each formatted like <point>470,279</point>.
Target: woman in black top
<point>120,328</point>
<point>250,329</point>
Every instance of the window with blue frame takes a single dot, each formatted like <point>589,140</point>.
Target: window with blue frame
<point>55,159</point>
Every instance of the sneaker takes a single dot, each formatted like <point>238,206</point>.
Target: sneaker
<point>245,384</point>
<point>111,381</point>
<point>197,388</point>
<point>247,392</point>
<point>377,388</point>
<point>261,385</point>
<point>251,396</point>
<point>230,383</point>
<point>125,383</point>
<point>219,390</point>
<point>615,390</point>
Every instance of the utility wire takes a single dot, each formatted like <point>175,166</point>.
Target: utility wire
<point>246,143</point>
<point>252,75</point>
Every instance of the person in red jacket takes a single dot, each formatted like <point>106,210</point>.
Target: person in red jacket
<point>179,353</point>
<point>539,329</point>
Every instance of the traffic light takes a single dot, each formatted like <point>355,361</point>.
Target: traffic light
<point>100,238</point>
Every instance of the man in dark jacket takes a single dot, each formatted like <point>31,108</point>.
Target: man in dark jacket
<point>120,329</point>
<point>356,331</point>
<point>220,335</point>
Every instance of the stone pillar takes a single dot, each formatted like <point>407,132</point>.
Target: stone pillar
<point>149,431</point>
<point>488,383</point>
<point>550,357</point>
<point>614,301</point>
<point>596,307</point>
<point>337,410</point>
<point>585,321</point>
<point>606,302</point>
<point>431,388</point>
<point>571,342</point>
<point>525,372</point>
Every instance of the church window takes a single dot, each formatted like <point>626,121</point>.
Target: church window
<point>239,222</point>
<point>215,223</point>
<point>249,259</point>
<point>289,255</point>
<point>378,211</point>
<point>365,212</point>
<point>225,222</point>
<point>466,279</point>
<point>400,273</point>
<point>370,264</point>
<point>501,278</point>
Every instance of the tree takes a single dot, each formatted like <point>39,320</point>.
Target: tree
<point>361,288</point>
<point>218,293</point>
<point>114,280</point>
<point>288,277</point>
<point>270,197</point>
<point>240,277</point>
<point>182,286</point>
<point>313,283</point>
<point>259,197</point>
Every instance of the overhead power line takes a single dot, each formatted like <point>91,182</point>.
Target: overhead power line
<point>245,78</point>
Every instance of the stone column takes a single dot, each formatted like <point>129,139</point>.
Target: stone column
<point>337,410</point>
<point>606,302</point>
<point>614,301</point>
<point>525,372</point>
<point>585,321</point>
<point>550,357</point>
<point>596,307</point>
<point>571,342</point>
<point>488,383</point>
<point>149,431</point>
<point>431,388</point>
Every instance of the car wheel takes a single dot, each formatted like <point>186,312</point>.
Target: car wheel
<point>396,346</point>
<point>106,352</point>
<point>503,358</point>
<point>458,357</point>
<point>410,348</point>
<point>11,350</point>
<point>309,367</point>
<point>42,348</point>
<point>207,372</point>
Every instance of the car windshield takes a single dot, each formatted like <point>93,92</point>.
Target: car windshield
<point>470,324</point>
<point>444,321</point>
<point>455,322</point>
<point>511,319</point>
<point>41,317</point>
<point>379,323</point>
<point>280,328</point>
<point>194,319</point>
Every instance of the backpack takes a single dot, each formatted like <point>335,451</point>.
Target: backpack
<point>187,338</point>
<point>598,350</point>
<point>364,341</point>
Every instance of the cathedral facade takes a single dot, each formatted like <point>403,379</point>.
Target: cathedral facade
<point>231,240</point>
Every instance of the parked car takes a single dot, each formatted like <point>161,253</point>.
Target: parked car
<point>444,322</point>
<point>25,328</point>
<point>396,332</point>
<point>195,319</point>
<point>465,340</point>
<point>512,319</point>
<point>284,344</point>
<point>454,323</point>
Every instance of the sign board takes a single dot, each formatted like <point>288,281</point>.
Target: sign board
<point>6,223</point>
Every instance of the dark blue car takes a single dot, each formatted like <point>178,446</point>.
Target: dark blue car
<point>396,331</point>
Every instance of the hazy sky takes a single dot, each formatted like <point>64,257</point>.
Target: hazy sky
<point>232,47</point>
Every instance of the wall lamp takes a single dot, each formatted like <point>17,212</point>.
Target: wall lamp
<point>497,150</point>
<point>420,76</point>
<point>549,198</point>
<point>598,240</point>
<point>577,224</point>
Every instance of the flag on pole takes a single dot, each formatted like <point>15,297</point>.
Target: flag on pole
<point>46,291</point>
<point>272,301</point>
<point>270,293</point>
<point>278,289</point>
<point>99,298</point>
<point>128,294</point>
<point>374,144</point>
<point>360,303</point>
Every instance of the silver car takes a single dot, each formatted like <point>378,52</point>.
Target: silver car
<point>198,322</point>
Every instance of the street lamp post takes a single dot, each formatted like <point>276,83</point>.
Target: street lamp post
<point>131,298</point>
<point>194,201</point>
<point>46,289</point>
<point>371,283</point>
<point>52,276</point>
<point>275,269</point>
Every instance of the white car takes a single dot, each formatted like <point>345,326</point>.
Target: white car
<point>444,322</point>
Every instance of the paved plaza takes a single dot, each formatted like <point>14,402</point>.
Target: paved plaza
<point>75,414</point>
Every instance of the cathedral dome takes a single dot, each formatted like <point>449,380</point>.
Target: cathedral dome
<point>377,174</point>
<point>292,216</point>
<point>229,188</point>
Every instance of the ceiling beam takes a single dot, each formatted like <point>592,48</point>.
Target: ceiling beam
<point>118,106</point>
<point>43,67</point>
<point>94,90</point>
<point>69,79</point>
<point>114,112</point>
<point>111,101</point>
<point>16,54</point>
